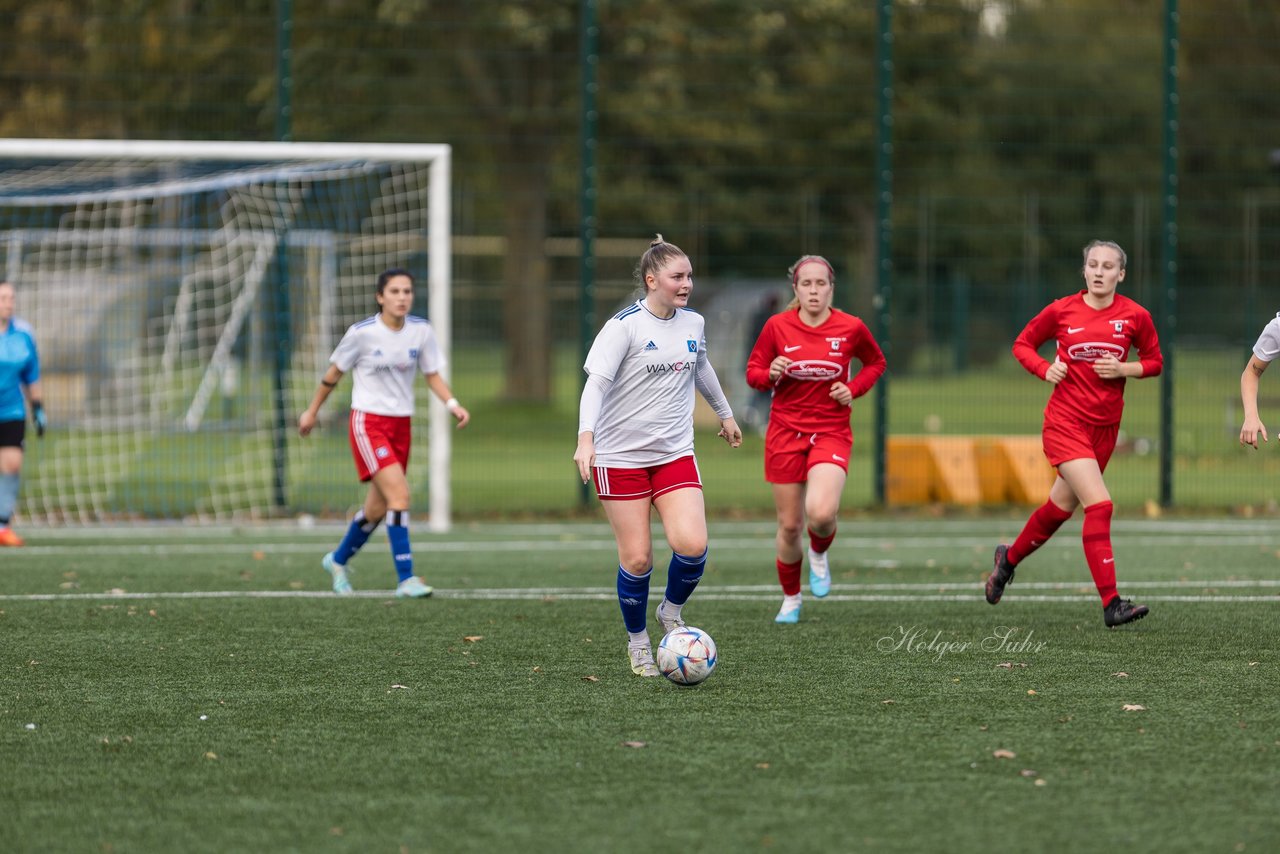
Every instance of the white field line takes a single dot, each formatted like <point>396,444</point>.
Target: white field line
<point>741,593</point>
<point>884,529</point>
<point>849,547</point>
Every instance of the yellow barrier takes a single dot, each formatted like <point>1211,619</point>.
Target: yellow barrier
<point>966,470</point>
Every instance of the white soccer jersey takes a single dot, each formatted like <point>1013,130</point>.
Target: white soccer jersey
<point>646,418</point>
<point>1268,346</point>
<point>383,363</point>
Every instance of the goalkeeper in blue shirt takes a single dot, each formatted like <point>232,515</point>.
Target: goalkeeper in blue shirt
<point>19,372</point>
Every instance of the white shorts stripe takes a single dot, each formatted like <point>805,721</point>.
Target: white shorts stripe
<point>363,446</point>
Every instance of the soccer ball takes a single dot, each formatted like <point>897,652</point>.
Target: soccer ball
<point>686,656</point>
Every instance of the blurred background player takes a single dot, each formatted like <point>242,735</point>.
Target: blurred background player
<point>804,355</point>
<point>635,439</point>
<point>1095,330</point>
<point>384,352</point>
<point>1264,353</point>
<point>19,383</point>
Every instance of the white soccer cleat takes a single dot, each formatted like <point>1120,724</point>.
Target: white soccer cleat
<point>412,588</point>
<point>641,657</point>
<point>338,572</point>
<point>789,613</point>
<point>669,621</point>
<point>819,574</point>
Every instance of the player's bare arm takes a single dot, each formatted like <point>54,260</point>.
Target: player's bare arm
<point>330,380</point>
<point>1253,428</point>
<point>441,388</point>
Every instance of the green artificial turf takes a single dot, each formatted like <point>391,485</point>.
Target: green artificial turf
<point>901,714</point>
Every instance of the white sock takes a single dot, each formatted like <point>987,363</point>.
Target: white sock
<point>790,603</point>
<point>639,638</point>
<point>669,608</point>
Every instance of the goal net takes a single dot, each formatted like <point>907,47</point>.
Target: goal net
<point>186,297</point>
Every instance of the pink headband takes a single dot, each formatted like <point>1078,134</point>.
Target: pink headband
<point>795,277</point>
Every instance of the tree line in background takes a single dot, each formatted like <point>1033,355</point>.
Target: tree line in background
<point>742,129</point>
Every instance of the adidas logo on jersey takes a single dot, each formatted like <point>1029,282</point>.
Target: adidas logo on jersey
<point>650,346</point>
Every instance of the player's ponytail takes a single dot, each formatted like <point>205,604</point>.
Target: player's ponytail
<point>659,254</point>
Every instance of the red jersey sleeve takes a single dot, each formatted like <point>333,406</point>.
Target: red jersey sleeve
<point>762,355</point>
<point>1026,346</point>
<point>1149,355</point>
<point>872,359</point>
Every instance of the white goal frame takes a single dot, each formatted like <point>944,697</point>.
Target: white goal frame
<point>439,236</point>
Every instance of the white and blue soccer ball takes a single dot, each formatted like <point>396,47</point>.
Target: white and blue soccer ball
<point>686,655</point>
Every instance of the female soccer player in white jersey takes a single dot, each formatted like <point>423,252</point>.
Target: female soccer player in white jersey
<point>1095,331</point>
<point>804,356</point>
<point>635,438</point>
<point>383,352</point>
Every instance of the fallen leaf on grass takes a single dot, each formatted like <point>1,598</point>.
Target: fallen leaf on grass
<point>1120,675</point>
<point>1253,664</point>
<point>886,702</point>
<point>636,744</point>
<point>259,555</point>
<point>211,755</point>
<point>1031,691</point>
<point>763,766</point>
<point>1027,772</point>
<point>1133,707</point>
<point>1004,754</point>
<point>402,687</point>
<point>1040,781</point>
<point>590,678</point>
<point>537,669</point>
<point>1009,665</point>
<point>296,585</point>
<point>116,591</point>
<point>472,638</point>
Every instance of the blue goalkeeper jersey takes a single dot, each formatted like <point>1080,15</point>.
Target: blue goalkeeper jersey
<point>19,366</point>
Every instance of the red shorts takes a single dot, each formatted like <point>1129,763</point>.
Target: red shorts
<point>1066,440</point>
<point>378,441</point>
<point>788,454</point>
<point>618,484</point>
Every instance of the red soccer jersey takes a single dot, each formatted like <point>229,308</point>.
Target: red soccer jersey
<point>821,355</point>
<point>1084,334</point>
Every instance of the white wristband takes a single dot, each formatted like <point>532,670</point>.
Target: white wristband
<point>451,404</point>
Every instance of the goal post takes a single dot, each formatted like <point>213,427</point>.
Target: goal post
<point>185,297</point>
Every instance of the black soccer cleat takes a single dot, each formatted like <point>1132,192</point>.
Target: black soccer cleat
<point>1120,611</point>
<point>1001,575</point>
